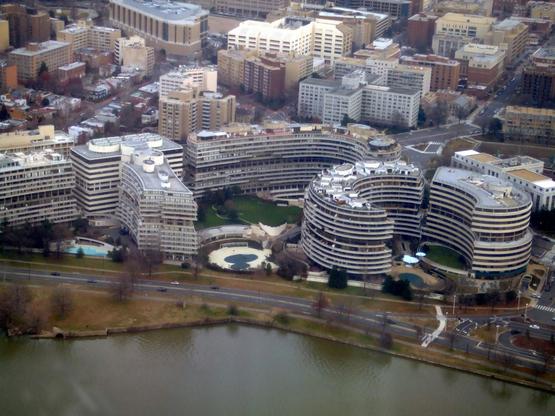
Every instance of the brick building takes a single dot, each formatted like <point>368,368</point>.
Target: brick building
<point>445,71</point>
<point>420,30</point>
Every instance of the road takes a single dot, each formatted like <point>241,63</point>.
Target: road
<point>440,134</point>
<point>373,321</point>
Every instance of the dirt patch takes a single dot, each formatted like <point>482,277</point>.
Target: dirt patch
<point>540,345</point>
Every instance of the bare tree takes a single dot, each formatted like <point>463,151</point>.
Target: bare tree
<point>14,302</point>
<point>61,302</point>
<point>418,332</point>
<point>451,337</point>
<point>319,304</point>
<point>386,340</point>
<point>123,288</point>
<point>60,232</point>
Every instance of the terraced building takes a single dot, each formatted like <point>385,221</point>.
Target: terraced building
<point>353,211</point>
<point>484,218</point>
<point>278,159</point>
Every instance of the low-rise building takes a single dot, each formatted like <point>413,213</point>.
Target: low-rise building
<point>36,187</point>
<point>75,70</point>
<point>523,172</point>
<point>482,65</point>
<point>156,208</point>
<point>529,125</point>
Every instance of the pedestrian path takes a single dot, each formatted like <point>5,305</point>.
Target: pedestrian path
<point>545,308</point>
<point>428,339</point>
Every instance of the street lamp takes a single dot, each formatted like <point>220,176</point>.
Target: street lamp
<point>518,298</point>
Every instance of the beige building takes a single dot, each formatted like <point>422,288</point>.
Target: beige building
<point>4,35</point>
<point>542,10</point>
<point>511,36</point>
<point>85,35</point>
<point>231,66</point>
<point>44,137</point>
<point>481,64</point>
<point>454,30</point>
<point>29,59</point>
<point>136,55</point>
<point>529,125</point>
<point>187,111</point>
<point>476,7</point>
<point>178,28</point>
<point>204,78</point>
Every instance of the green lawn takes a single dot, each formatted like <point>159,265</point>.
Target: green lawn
<point>445,256</point>
<point>253,210</point>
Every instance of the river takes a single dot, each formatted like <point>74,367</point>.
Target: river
<point>238,370</point>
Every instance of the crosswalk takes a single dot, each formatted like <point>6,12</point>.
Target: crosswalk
<point>545,308</point>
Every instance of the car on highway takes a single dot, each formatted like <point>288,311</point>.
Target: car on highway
<point>162,289</point>
<point>175,283</point>
<point>534,326</point>
<point>91,281</point>
<point>55,273</point>
<point>214,287</point>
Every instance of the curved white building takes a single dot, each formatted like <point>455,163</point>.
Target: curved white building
<point>483,218</point>
<point>157,209</point>
<point>280,159</point>
<point>352,211</point>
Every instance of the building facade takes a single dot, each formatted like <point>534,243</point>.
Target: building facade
<point>156,208</point>
<point>483,218</point>
<point>29,60</point>
<point>36,187</point>
<point>454,30</point>
<point>25,24</point>
<point>352,212</point>
<point>277,159</point>
<point>187,111</point>
<point>511,36</point>
<point>420,31</point>
<point>529,125</point>
<point>33,141</point>
<point>178,28</point>
<point>97,167</point>
<point>205,78</point>
<point>85,35</point>
<point>538,76</point>
<point>482,65</point>
<point>523,172</point>
<point>445,72</point>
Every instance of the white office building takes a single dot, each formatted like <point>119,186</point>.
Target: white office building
<point>203,78</point>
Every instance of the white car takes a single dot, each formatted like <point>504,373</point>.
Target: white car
<point>534,326</point>
<point>175,283</point>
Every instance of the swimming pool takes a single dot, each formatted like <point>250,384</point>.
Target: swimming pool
<point>413,279</point>
<point>91,251</point>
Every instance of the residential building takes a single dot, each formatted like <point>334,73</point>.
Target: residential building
<point>4,35</point>
<point>29,59</point>
<point>454,30</point>
<point>420,31</point>
<point>121,43</point>
<point>25,24</point>
<point>278,159</point>
<point>511,36</point>
<point>36,187</point>
<point>85,35</point>
<point>186,111</point>
<point>483,218</point>
<point>410,76</point>
<point>75,70</point>
<point>391,106</point>
<point>156,208</point>
<point>327,39</point>
<point>523,172</point>
<point>481,64</point>
<point>231,66</point>
<point>529,125</point>
<point>445,72</point>
<point>33,141</point>
<point>311,96</point>
<point>538,76</point>
<point>381,56</point>
<point>204,78</point>
<point>398,9</point>
<point>353,211</point>
<point>178,28</point>
<point>138,56</point>
<point>97,165</point>
<point>8,77</point>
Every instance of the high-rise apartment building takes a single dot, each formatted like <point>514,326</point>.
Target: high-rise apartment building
<point>97,165</point>
<point>137,55</point>
<point>187,111</point>
<point>538,76</point>
<point>30,59</point>
<point>410,76</point>
<point>178,28</point>
<point>85,35</point>
<point>25,24</point>
<point>445,72</point>
<point>36,187</point>
<point>156,208</point>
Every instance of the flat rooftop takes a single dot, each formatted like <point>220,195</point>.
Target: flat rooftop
<point>489,191</point>
<point>483,157</point>
<point>42,47</point>
<point>177,12</point>
<point>528,175</point>
<point>161,179</point>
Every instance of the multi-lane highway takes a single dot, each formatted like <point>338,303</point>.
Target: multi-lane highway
<point>362,319</point>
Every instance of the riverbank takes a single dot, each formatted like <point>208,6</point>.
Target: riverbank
<point>96,314</point>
